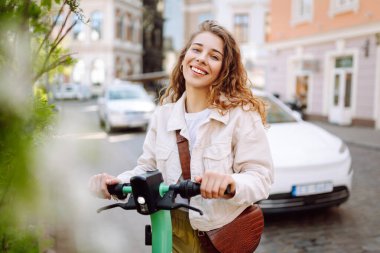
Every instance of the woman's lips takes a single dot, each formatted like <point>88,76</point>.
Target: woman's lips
<point>198,70</point>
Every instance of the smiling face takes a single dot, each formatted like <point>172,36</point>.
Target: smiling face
<point>203,61</point>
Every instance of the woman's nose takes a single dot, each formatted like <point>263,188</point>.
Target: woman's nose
<point>201,58</point>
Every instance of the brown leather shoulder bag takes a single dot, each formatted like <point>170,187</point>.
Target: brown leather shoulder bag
<point>241,235</point>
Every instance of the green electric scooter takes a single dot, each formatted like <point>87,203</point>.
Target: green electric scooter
<point>150,196</point>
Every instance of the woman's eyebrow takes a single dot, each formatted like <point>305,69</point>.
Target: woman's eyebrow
<point>213,49</point>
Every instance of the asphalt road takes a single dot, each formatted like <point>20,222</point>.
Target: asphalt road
<point>352,227</point>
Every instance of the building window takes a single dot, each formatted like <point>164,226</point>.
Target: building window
<point>267,25</point>
<point>119,25</point>
<point>344,62</point>
<point>98,72</point>
<point>127,68</point>
<point>241,27</point>
<point>302,11</point>
<point>118,69</point>
<point>79,72</point>
<point>129,27</point>
<point>78,29</point>
<point>96,25</point>
<point>136,32</point>
<point>137,67</point>
<point>342,6</point>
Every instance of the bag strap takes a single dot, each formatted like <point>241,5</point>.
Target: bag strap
<point>184,155</point>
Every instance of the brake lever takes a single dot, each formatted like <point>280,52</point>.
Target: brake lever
<point>178,205</point>
<point>167,203</point>
<point>129,205</point>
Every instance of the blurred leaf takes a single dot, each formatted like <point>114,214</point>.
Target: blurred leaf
<point>47,3</point>
<point>34,10</point>
<point>24,124</point>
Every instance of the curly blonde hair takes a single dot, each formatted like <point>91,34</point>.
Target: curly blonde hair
<point>232,83</point>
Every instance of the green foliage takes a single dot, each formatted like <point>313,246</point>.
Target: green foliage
<point>26,115</point>
<point>19,135</point>
<point>18,240</point>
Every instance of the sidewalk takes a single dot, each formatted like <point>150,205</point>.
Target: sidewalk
<point>361,136</point>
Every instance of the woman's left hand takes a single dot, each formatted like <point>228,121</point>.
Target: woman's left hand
<point>214,184</point>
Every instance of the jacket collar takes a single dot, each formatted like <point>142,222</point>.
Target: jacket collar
<point>177,118</point>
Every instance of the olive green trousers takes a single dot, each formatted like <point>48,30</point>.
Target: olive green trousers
<point>185,239</point>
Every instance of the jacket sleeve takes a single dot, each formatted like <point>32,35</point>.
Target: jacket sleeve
<point>252,165</point>
<point>147,160</point>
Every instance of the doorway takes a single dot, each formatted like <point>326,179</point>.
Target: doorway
<point>341,97</point>
<point>301,94</point>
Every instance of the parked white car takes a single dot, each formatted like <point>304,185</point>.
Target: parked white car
<point>72,91</point>
<point>312,167</point>
<point>125,105</point>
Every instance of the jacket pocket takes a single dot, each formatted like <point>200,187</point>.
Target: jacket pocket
<point>162,156</point>
<point>167,162</point>
<point>218,158</point>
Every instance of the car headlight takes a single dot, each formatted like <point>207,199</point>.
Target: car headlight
<point>342,148</point>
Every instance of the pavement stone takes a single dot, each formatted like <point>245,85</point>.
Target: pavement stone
<point>361,136</point>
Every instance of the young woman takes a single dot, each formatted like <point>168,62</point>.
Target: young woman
<point>209,100</point>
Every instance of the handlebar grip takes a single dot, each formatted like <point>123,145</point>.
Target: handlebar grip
<point>188,189</point>
<point>117,190</point>
<point>228,190</point>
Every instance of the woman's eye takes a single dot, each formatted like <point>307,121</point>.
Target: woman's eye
<point>195,50</point>
<point>214,57</point>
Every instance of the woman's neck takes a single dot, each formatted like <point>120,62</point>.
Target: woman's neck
<point>196,100</point>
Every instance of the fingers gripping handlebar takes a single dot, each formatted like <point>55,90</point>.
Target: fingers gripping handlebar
<point>149,194</point>
<point>117,190</point>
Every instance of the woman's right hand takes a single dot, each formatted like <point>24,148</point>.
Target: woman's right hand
<point>98,185</point>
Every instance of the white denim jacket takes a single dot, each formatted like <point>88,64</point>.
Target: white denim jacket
<point>234,143</point>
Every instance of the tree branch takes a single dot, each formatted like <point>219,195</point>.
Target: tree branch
<point>61,60</point>
<point>55,45</point>
<point>51,27</point>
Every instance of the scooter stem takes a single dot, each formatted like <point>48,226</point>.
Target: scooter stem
<point>161,231</point>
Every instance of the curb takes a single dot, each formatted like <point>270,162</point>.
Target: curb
<point>362,145</point>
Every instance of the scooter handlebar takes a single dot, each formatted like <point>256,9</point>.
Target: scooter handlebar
<point>188,189</point>
<point>118,190</point>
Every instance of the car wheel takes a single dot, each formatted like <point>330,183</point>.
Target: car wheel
<point>145,127</point>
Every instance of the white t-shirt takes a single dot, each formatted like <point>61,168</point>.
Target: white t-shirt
<point>193,122</point>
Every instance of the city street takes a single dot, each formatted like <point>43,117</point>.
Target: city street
<point>352,227</point>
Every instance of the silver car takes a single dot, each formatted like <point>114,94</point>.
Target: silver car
<point>125,105</point>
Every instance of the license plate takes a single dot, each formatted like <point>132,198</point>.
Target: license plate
<point>310,189</point>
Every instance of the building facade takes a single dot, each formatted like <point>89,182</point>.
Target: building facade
<point>325,54</point>
<point>153,54</point>
<point>247,20</point>
<point>109,46</point>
